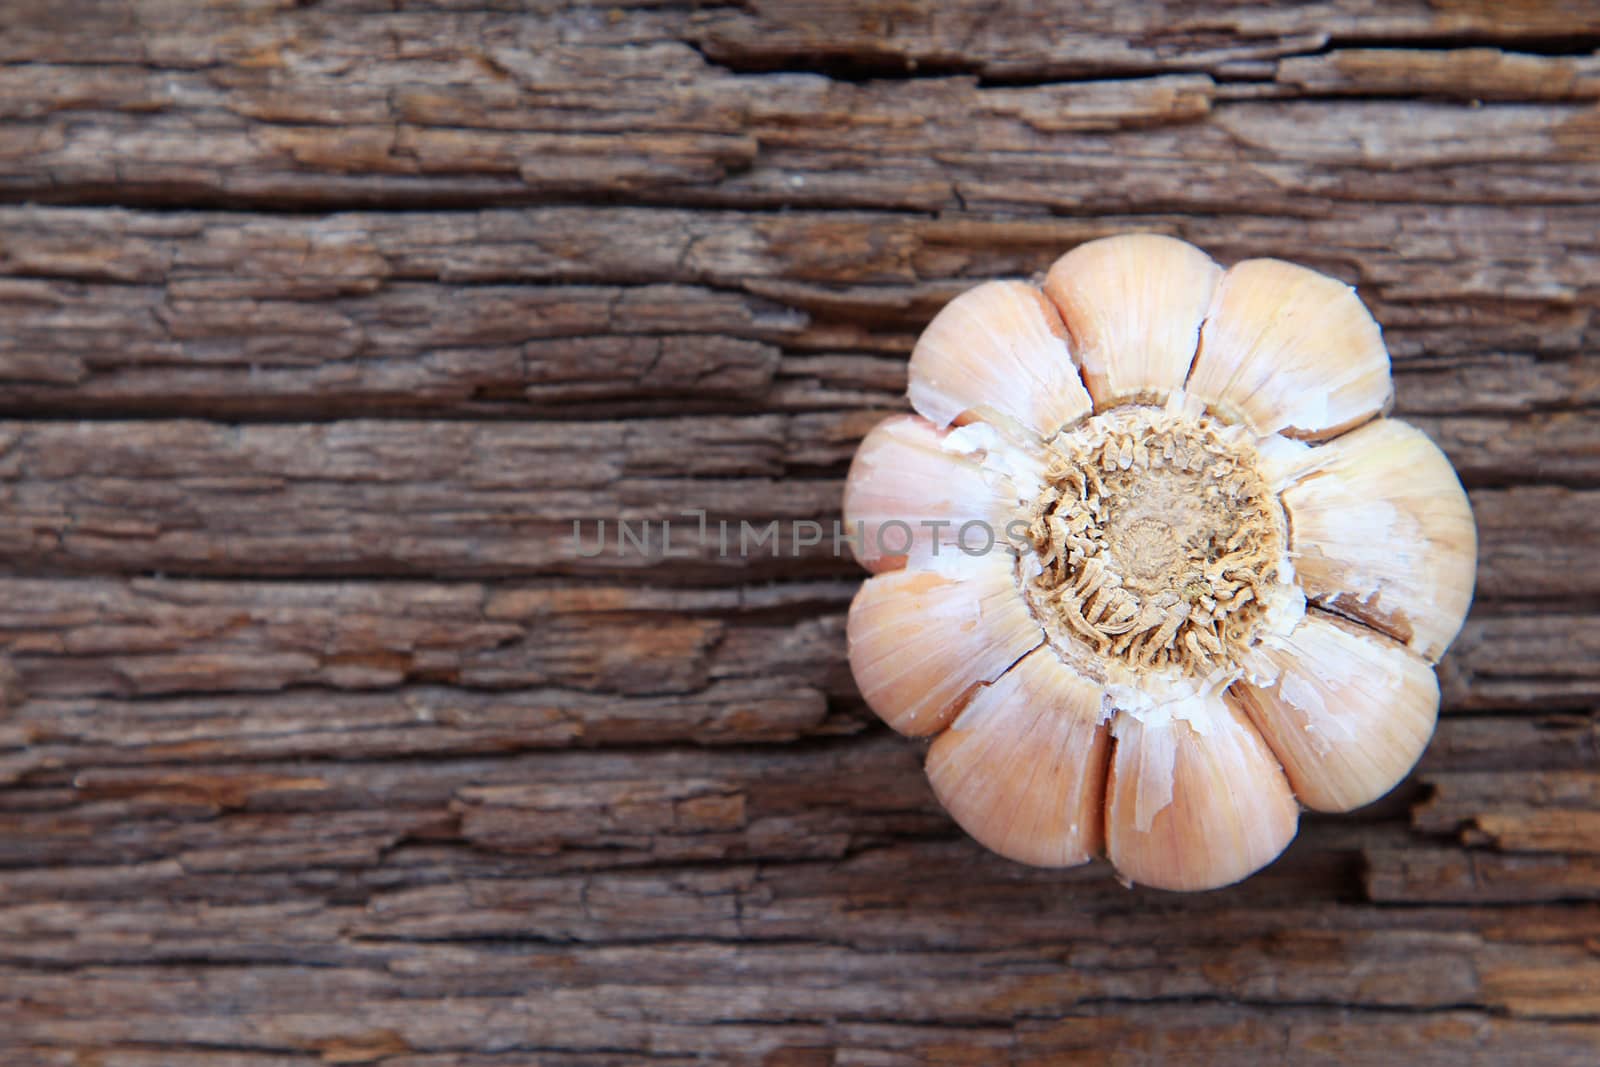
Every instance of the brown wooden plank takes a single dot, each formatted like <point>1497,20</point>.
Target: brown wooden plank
<point>501,498</point>
<point>1043,40</point>
<point>178,104</point>
<point>1464,73</point>
<point>319,323</point>
<point>129,312</point>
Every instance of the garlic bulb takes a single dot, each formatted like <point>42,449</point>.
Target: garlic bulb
<point>1151,567</point>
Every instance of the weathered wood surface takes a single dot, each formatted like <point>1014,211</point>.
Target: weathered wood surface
<point>320,323</point>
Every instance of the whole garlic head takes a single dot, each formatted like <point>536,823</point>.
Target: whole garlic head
<point>1151,566</point>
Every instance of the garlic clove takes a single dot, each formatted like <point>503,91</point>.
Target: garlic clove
<point>1023,767</point>
<point>1348,714</point>
<point>1195,801</point>
<point>921,639</point>
<point>998,353</point>
<point>1381,531</point>
<point>912,484</point>
<point>1133,305</point>
<point>1288,350</point>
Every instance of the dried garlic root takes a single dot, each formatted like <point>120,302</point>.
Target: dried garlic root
<point>1218,579</point>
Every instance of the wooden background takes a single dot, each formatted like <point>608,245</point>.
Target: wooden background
<point>321,322</point>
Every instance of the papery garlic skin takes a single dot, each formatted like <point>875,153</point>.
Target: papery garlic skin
<point>1348,711</point>
<point>1133,306</point>
<point>1195,800</point>
<point>922,639</point>
<point>1383,534</point>
<point>986,771</point>
<point>1287,350</point>
<point>912,485</point>
<point>1235,577</point>
<point>998,352</point>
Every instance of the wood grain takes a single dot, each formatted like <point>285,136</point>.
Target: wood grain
<point>320,740</point>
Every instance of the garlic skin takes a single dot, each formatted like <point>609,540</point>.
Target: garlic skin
<point>986,771</point>
<point>998,352</point>
<point>1287,350</point>
<point>922,639</point>
<point>911,484</point>
<point>1235,576</point>
<point>1347,711</point>
<point>1382,533</point>
<point>1195,802</point>
<point>1133,307</point>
